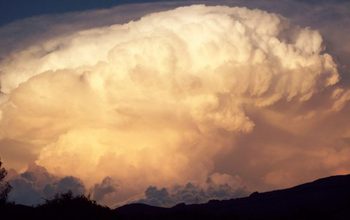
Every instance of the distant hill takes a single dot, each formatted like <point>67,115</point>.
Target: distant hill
<point>327,198</point>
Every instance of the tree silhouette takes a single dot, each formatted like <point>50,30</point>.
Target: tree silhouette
<point>5,187</point>
<point>68,206</point>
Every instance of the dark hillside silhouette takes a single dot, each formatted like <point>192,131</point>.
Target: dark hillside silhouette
<point>327,198</point>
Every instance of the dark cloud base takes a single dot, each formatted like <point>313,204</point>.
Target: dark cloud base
<point>190,194</point>
<point>35,185</point>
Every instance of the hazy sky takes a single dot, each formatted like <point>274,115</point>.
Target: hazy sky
<point>184,104</point>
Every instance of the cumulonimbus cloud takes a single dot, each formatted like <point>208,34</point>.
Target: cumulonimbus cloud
<point>157,101</point>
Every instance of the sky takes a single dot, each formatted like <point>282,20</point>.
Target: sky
<point>169,102</point>
<point>20,9</point>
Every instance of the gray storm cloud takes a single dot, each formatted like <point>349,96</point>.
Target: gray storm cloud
<point>35,185</point>
<point>217,187</point>
<point>176,97</point>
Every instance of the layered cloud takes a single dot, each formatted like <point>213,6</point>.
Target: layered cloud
<point>174,98</point>
<point>35,185</point>
<point>217,187</point>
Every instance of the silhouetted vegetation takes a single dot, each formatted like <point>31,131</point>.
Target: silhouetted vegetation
<point>61,207</point>
<point>327,198</point>
<point>5,187</point>
<point>67,206</point>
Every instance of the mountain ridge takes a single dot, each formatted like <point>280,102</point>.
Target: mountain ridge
<point>325,198</point>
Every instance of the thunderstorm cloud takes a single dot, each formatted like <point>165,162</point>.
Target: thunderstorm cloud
<point>174,98</point>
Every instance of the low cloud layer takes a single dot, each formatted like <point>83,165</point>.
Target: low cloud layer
<point>177,97</point>
<point>35,185</point>
<point>217,187</point>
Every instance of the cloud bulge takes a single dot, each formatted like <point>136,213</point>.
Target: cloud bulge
<point>161,100</point>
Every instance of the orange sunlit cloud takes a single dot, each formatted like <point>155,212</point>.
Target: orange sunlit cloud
<point>162,100</point>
